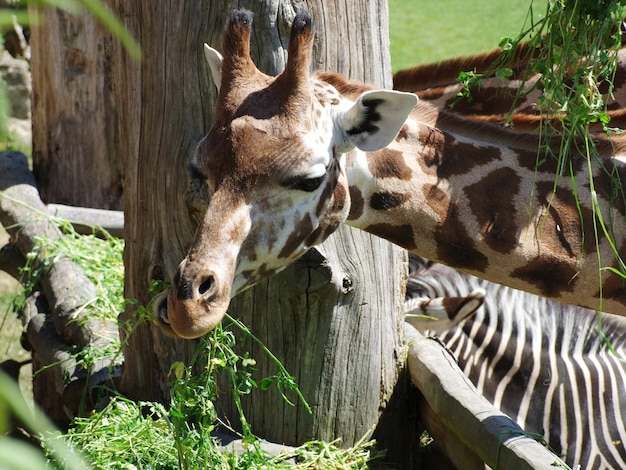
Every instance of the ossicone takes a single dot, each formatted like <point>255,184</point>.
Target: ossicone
<point>236,45</point>
<point>297,72</point>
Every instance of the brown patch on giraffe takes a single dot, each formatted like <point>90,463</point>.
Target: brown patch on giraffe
<point>356,203</point>
<point>613,288</point>
<point>322,204</point>
<point>551,275</point>
<point>454,245</point>
<point>388,163</point>
<point>333,216</point>
<point>608,185</point>
<point>339,197</point>
<point>401,235</point>
<point>433,142</point>
<point>549,165</point>
<point>384,201</point>
<point>491,202</point>
<point>329,211</point>
<point>560,228</point>
<point>316,236</point>
<point>301,231</point>
<point>437,199</point>
<point>450,157</point>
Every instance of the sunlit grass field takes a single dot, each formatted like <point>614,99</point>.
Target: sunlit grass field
<point>425,31</point>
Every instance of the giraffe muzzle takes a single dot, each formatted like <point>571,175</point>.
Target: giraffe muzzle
<point>196,303</point>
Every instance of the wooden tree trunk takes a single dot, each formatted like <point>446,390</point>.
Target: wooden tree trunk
<point>332,318</point>
<point>75,158</point>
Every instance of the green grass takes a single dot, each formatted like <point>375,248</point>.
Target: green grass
<point>425,31</point>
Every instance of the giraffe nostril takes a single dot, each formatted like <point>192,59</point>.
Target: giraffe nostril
<point>206,285</point>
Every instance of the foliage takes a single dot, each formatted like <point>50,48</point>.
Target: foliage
<point>100,259</point>
<point>17,455</point>
<point>126,434</point>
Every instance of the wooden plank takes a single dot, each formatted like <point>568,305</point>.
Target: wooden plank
<point>85,219</point>
<point>466,415</point>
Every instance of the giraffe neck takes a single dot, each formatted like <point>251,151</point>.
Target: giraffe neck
<point>499,101</point>
<point>469,195</point>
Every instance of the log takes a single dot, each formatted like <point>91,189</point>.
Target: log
<point>470,428</point>
<point>72,385</point>
<point>65,285</point>
<point>67,290</point>
<point>86,220</point>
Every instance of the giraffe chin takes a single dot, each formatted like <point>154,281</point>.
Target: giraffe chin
<point>190,324</point>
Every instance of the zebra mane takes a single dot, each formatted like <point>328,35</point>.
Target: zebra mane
<point>575,330</point>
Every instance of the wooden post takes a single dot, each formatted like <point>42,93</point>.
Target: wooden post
<point>332,318</point>
<point>75,156</point>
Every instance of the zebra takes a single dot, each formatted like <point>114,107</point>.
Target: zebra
<point>545,364</point>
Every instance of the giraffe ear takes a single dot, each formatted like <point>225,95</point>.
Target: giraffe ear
<point>215,60</point>
<point>374,120</point>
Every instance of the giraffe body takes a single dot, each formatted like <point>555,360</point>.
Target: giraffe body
<point>290,158</point>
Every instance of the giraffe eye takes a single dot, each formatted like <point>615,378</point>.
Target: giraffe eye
<point>305,184</point>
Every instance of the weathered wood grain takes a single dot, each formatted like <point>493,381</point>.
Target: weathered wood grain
<point>75,155</point>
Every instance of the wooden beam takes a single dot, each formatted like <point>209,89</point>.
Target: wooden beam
<point>467,423</point>
<point>86,220</point>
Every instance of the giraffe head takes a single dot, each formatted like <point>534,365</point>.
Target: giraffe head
<point>273,164</point>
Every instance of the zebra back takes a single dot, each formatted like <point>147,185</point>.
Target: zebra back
<point>546,364</point>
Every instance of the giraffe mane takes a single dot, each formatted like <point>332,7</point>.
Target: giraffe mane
<point>349,88</point>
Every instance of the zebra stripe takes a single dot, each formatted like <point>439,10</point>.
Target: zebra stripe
<point>543,363</point>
